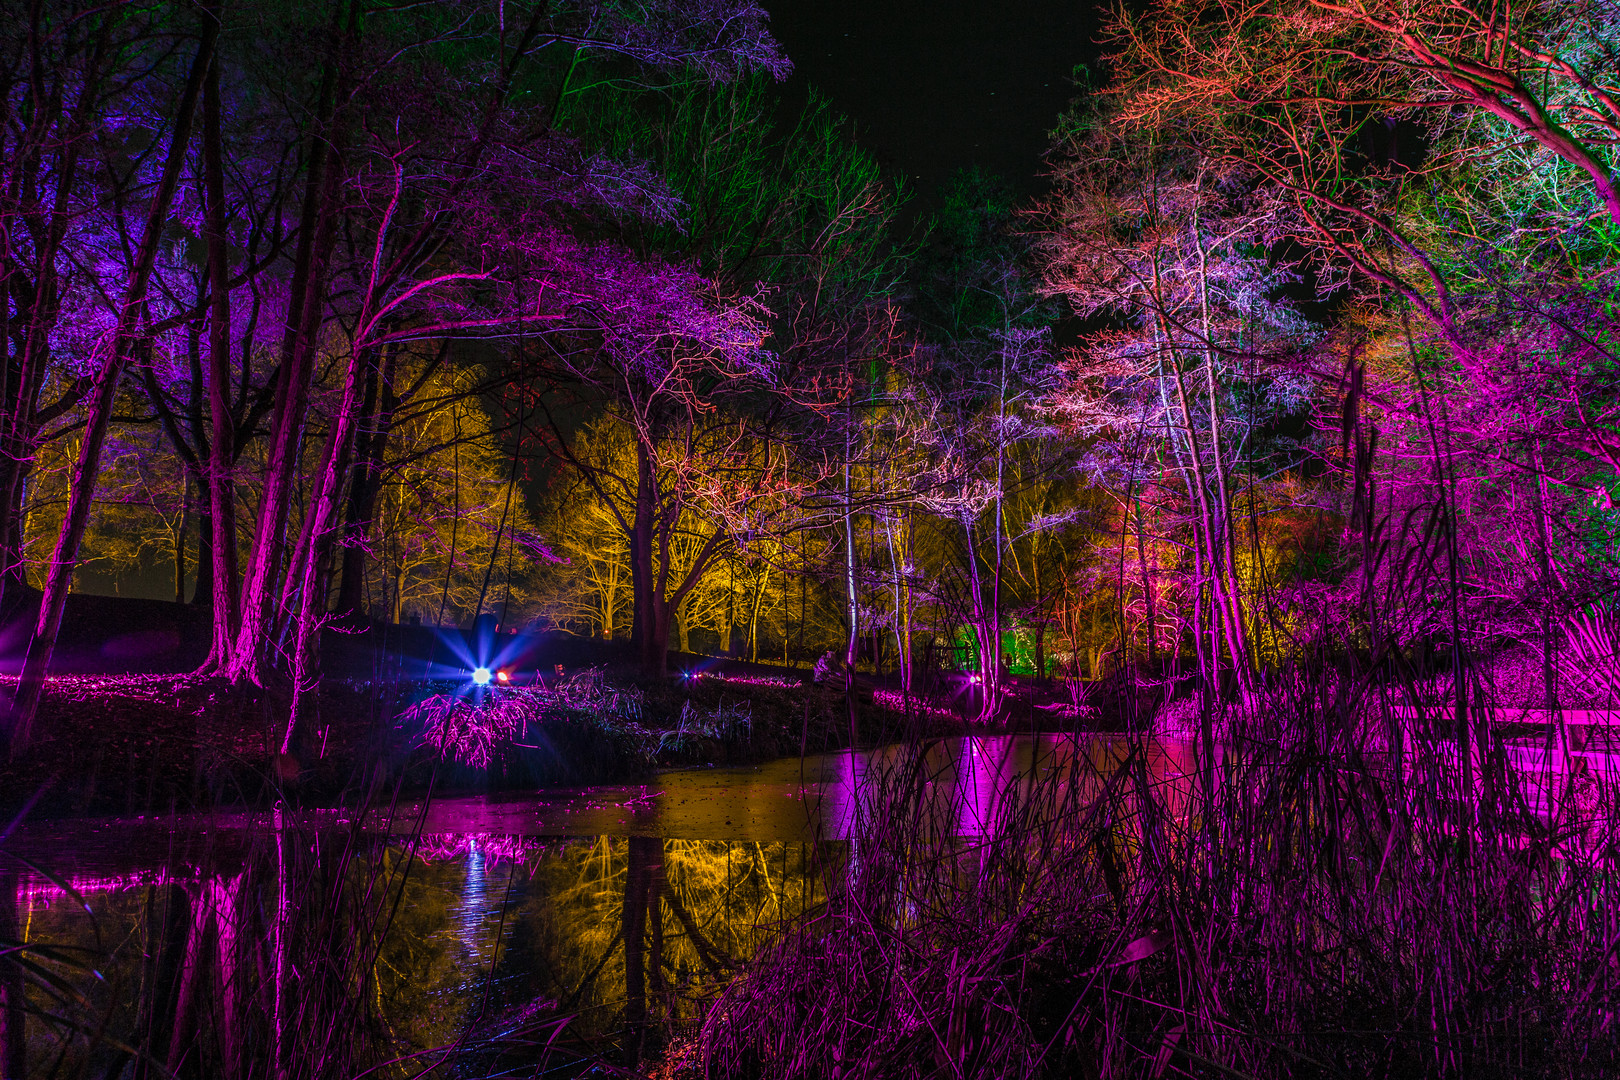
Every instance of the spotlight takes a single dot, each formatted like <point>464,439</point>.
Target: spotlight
<point>502,676</point>
<point>481,676</point>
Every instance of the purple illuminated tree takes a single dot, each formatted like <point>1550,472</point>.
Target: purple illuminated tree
<point>1452,168</point>
<point>115,351</point>
<point>460,218</point>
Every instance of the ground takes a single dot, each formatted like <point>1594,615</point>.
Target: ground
<point>141,744</point>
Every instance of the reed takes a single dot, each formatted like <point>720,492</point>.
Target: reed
<point>1299,906</point>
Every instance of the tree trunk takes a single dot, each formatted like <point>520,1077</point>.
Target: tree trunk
<point>365,485</point>
<point>38,302</point>
<point>202,588</point>
<point>317,233</point>
<point>641,583</point>
<point>984,628</point>
<point>98,408</point>
<point>1147,591</point>
<point>992,682</point>
<point>13,562</point>
<point>228,899</point>
<point>851,604</point>
<point>194,972</point>
<point>180,541</point>
<point>322,530</point>
<point>853,644</point>
<point>652,530</point>
<point>281,959</point>
<point>753,616</point>
<point>655,661</point>
<point>168,943</point>
<point>903,606</point>
<point>1237,628</point>
<point>646,855</point>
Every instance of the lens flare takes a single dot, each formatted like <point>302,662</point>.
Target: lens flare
<point>481,676</point>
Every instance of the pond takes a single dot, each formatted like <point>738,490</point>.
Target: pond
<point>494,931</point>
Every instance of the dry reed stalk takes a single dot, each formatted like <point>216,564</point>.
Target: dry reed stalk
<point>1327,910</point>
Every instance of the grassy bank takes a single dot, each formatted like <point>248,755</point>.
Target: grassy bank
<point>141,744</point>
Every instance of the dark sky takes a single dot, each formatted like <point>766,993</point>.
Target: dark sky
<point>934,86</point>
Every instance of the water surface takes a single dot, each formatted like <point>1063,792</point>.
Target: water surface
<point>451,922</point>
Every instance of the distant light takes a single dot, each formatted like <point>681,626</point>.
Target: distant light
<point>481,676</point>
<point>503,676</point>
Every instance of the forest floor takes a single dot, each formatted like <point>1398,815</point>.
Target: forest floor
<point>122,731</point>
<point>129,744</point>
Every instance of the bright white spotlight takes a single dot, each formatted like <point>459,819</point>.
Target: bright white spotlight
<point>481,676</point>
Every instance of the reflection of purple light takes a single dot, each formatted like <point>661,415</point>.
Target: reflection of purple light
<point>984,774</point>
<point>30,889</point>
<point>841,799</point>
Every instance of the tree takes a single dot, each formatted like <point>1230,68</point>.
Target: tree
<point>1148,231</point>
<point>591,584</point>
<point>471,217</point>
<point>1451,167</point>
<point>449,533</point>
<point>142,510</point>
<point>992,363</point>
<point>123,342</point>
<point>975,434</point>
<point>1444,162</point>
<point>799,218</point>
<point>63,71</point>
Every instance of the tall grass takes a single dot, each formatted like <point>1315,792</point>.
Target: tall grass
<point>1354,875</point>
<point>1316,911</point>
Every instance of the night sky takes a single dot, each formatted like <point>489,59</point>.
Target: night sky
<point>935,85</point>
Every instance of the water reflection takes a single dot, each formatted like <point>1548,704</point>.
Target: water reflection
<point>617,932</point>
<point>323,943</point>
<point>985,775</point>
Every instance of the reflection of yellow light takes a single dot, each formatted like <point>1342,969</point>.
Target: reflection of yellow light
<point>503,676</point>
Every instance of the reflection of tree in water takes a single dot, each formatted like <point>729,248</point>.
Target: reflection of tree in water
<point>421,975</point>
<point>554,930</point>
<point>626,934</point>
<point>701,904</point>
